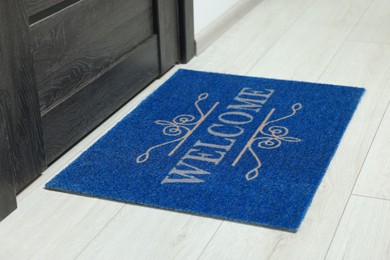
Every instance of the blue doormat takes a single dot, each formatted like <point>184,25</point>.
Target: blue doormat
<point>247,149</point>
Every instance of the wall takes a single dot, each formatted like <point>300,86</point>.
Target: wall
<point>206,11</point>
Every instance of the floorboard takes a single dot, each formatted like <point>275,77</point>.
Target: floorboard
<point>241,47</point>
<point>304,51</point>
<point>374,179</point>
<point>151,234</point>
<point>53,225</point>
<point>374,25</point>
<point>364,231</point>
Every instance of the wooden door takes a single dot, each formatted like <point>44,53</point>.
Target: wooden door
<point>69,64</point>
<point>90,57</point>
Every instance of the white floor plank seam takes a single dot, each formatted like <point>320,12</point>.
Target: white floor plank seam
<point>100,231</point>
<point>200,255</point>
<point>370,197</point>
<point>346,205</point>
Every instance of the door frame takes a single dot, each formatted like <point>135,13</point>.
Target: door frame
<point>175,20</point>
<point>26,157</point>
<point>22,152</point>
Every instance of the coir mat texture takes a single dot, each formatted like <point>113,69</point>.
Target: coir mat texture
<point>247,149</point>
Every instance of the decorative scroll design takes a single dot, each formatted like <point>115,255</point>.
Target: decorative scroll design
<point>268,137</point>
<point>182,126</point>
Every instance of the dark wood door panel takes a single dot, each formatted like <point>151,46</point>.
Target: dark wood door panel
<point>74,117</point>
<point>34,7</point>
<point>17,79</point>
<point>78,42</point>
<point>7,185</point>
<point>167,30</point>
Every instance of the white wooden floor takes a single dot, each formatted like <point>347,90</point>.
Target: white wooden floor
<point>330,41</point>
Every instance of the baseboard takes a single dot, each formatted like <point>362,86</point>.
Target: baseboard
<point>207,36</point>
